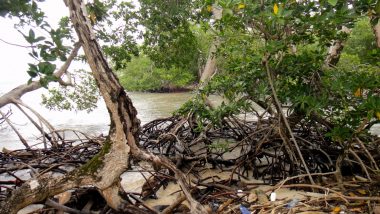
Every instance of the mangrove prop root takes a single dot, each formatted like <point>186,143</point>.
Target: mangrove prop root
<point>259,153</point>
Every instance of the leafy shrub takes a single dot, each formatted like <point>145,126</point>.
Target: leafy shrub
<point>142,75</point>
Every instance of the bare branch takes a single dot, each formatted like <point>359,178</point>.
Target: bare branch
<point>54,140</point>
<point>2,119</point>
<point>18,92</point>
<point>285,120</point>
<point>23,141</point>
<point>17,45</point>
<point>40,128</point>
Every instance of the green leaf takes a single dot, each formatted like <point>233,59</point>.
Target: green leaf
<point>33,70</point>
<point>32,67</point>
<point>31,36</point>
<point>44,82</point>
<point>377,7</point>
<point>227,12</point>
<point>62,57</point>
<point>32,73</point>
<point>46,68</point>
<point>40,38</point>
<point>34,54</point>
<point>333,2</point>
<point>30,80</point>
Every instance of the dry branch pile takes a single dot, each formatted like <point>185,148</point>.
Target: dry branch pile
<point>242,150</point>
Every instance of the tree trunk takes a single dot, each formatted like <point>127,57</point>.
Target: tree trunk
<point>125,125</point>
<point>210,67</point>
<point>335,51</point>
<point>376,31</point>
<point>333,55</point>
<point>125,130</point>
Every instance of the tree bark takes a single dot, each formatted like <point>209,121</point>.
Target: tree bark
<point>124,134</point>
<point>376,31</point>
<point>125,125</point>
<point>122,112</point>
<point>335,51</point>
<point>210,67</point>
<point>333,55</point>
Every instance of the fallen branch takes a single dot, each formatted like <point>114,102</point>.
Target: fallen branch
<point>340,195</point>
<point>63,208</point>
<point>174,205</point>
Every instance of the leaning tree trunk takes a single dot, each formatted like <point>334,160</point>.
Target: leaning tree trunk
<point>210,67</point>
<point>104,170</point>
<point>376,31</point>
<point>335,50</point>
<point>125,125</point>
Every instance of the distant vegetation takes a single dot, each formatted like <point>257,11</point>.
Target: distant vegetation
<point>140,74</point>
<point>361,46</point>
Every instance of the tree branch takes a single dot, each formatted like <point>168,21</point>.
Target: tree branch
<point>17,45</point>
<point>279,109</point>
<point>20,90</point>
<point>23,141</point>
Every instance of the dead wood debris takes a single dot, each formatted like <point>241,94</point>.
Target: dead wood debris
<point>252,153</point>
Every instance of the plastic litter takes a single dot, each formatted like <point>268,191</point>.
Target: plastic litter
<point>244,210</point>
<point>273,196</point>
<point>292,203</point>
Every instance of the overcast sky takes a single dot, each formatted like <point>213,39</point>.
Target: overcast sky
<point>13,60</point>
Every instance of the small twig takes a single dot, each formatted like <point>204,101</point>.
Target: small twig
<point>23,141</point>
<point>64,208</point>
<point>280,184</point>
<point>88,206</point>
<point>364,168</point>
<point>368,153</point>
<point>18,180</point>
<point>340,195</point>
<point>17,45</point>
<point>40,117</point>
<point>142,203</point>
<point>317,148</point>
<point>50,168</point>
<point>2,119</point>
<point>40,128</point>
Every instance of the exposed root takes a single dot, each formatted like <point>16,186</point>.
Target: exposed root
<point>241,149</point>
<point>258,152</point>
